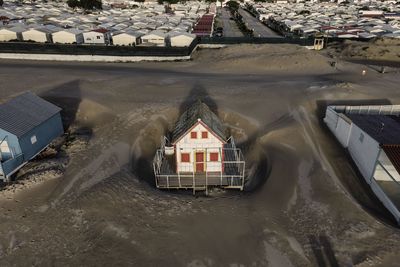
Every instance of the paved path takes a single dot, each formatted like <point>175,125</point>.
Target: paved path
<point>229,26</point>
<point>260,30</point>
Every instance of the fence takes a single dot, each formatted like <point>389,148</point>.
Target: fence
<point>257,40</point>
<point>141,51</point>
<point>100,50</point>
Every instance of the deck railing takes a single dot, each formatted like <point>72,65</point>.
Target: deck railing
<point>232,176</point>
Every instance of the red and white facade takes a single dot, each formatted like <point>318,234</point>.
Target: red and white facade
<point>199,150</point>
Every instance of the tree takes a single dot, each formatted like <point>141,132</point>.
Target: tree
<point>1,2</point>
<point>233,5</point>
<point>72,3</point>
<point>91,4</point>
<point>85,4</point>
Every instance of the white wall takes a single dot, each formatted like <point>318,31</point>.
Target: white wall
<point>181,41</point>
<point>6,35</point>
<point>343,130</point>
<point>364,150</point>
<point>90,58</point>
<point>189,145</point>
<point>380,174</point>
<point>67,38</point>
<point>339,125</point>
<point>331,119</point>
<point>94,38</point>
<point>124,39</point>
<point>153,40</point>
<point>36,36</point>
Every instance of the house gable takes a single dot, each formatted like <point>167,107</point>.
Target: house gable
<point>199,128</point>
<point>198,112</point>
<point>204,126</point>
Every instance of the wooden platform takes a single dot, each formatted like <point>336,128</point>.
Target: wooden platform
<point>231,177</point>
<point>199,180</point>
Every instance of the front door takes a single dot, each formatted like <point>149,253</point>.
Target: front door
<point>199,161</point>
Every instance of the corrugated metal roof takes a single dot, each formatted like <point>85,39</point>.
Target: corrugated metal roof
<point>199,110</point>
<point>24,112</point>
<point>385,129</point>
<point>393,153</point>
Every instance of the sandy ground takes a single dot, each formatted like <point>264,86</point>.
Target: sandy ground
<point>90,199</point>
<point>381,50</point>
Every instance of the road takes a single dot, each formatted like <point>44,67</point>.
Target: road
<point>229,26</point>
<point>260,30</point>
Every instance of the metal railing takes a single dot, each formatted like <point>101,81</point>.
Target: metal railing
<point>231,174</point>
<point>368,109</point>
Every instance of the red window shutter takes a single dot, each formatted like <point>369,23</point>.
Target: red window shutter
<point>213,156</point>
<point>193,135</point>
<point>185,157</point>
<point>204,135</point>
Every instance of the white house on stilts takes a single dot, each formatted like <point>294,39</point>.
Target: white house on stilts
<point>199,155</point>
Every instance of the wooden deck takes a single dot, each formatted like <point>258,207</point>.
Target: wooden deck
<point>231,177</point>
<point>187,180</point>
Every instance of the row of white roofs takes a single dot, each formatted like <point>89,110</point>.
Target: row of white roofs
<point>149,16</point>
<point>329,18</point>
<point>69,36</point>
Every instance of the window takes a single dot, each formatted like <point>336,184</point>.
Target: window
<point>185,157</point>
<point>214,156</point>
<point>204,135</point>
<point>33,139</point>
<point>193,135</point>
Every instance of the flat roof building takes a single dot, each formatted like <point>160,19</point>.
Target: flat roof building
<point>371,134</point>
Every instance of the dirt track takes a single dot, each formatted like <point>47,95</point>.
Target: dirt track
<point>304,204</point>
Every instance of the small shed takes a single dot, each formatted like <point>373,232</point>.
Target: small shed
<point>181,39</point>
<point>154,38</point>
<point>69,36</point>
<point>40,35</point>
<point>127,38</point>
<point>28,124</point>
<point>9,34</point>
<point>99,36</point>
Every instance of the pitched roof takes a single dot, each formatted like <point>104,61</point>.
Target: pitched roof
<point>385,129</point>
<point>190,117</point>
<point>24,112</point>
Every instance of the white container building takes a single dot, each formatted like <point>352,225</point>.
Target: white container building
<point>371,134</point>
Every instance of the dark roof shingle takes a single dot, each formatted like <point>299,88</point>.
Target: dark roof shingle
<point>198,110</point>
<point>24,112</point>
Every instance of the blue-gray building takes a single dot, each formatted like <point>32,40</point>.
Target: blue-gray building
<point>28,124</point>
